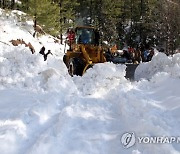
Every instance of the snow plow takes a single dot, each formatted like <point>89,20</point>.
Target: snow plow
<point>84,52</point>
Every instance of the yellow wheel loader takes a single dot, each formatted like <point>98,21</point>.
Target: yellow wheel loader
<point>84,52</point>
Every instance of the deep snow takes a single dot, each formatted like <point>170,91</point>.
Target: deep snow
<point>44,110</point>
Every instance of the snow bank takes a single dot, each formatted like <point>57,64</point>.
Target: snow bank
<point>160,63</point>
<point>17,25</point>
<point>19,68</point>
<point>100,78</point>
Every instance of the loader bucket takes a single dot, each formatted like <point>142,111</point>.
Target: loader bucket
<point>87,67</point>
<point>130,70</point>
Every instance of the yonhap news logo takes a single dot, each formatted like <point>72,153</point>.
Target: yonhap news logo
<point>129,139</point>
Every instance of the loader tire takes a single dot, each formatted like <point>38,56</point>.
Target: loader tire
<point>76,66</point>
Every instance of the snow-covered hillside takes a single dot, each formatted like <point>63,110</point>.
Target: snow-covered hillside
<point>44,110</point>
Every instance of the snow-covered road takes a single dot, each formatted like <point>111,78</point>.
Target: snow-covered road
<point>44,110</point>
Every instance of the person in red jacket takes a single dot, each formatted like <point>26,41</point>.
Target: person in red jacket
<point>70,37</point>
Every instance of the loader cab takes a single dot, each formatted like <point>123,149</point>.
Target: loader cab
<point>87,35</point>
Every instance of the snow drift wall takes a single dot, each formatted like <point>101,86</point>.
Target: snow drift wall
<point>160,63</point>
<point>19,68</point>
<point>102,77</point>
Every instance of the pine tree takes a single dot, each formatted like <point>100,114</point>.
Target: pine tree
<point>131,21</point>
<point>55,16</point>
<point>102,14</point>
<point>136,21</point>
<point>111,12</point>
<point>166,25</point>
<point>66,14</point>
<point>24,6</point>
<point>12,4</point>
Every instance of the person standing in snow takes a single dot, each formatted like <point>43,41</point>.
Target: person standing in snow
<point>126,54</point>
<point>145,53</point>
<point>114,49</point>
<point>70,37</point>
<point>151,54</point>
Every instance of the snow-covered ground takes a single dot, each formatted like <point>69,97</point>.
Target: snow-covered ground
<point>44,110</point>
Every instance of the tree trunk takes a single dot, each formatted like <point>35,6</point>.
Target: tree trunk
<point>12,4</point>
<point>35,23</point>
<point>61,21</point>
<point>141,20</point>
<point>61,39</point>
<point>91,3</point>
<point>3,4</point>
